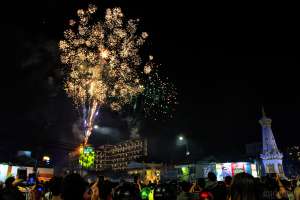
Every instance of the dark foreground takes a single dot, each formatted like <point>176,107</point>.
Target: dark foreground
<point>73,187</point>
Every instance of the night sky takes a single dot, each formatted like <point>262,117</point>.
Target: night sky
<point>221,91</point>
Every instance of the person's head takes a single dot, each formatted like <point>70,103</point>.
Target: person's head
<point>9,182</point>
<point>211,176</point>
<point>228,180</point>
<point>243,187</point>
<point>73,187</point>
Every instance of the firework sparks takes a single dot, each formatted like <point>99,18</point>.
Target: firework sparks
<point>159,98</point>
<point>103,62</point>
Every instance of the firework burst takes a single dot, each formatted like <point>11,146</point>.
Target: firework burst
<point>103,62</point>
<point>159,97</point>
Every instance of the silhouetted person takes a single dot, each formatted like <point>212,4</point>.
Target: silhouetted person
<point>228,181</point>
<point>184,193</point>
<point>212,181</point>
<point>218,189</point>
<point>172,190</point>
<point>73,187</point>
<point>137,182</point>
<point>104,188</point>
<point>243,187</point>
<point>289,194</point>
<point>273,188</point>
<point>11,192</point>
<point>55,187</point>
<point>137,185</point>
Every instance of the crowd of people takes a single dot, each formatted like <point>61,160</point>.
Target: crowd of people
<point>242,186</point>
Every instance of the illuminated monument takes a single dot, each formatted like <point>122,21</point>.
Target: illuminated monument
<point>271,157</point>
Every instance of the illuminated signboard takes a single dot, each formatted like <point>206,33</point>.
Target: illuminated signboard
<point>86,157</point>
<point>237,168</point>
<point>223,170</point>
<point>230,169</point>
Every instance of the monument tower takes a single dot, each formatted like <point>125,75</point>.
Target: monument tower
<point>271,157</point>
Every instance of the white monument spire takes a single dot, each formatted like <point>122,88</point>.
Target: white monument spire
<point>271,156</point>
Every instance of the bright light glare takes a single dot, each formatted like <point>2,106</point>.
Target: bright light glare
<point>96,127</point>
<point>46,158</point>
<point>180,138</point>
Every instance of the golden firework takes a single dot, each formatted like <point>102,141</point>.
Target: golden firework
<point>103,61</point>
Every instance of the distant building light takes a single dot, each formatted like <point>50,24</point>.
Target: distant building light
<point>118,156</point>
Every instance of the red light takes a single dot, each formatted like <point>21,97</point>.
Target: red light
<point>204,195</point>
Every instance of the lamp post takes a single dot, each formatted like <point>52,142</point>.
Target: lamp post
<point>184,140</point>
<point>46,160</point>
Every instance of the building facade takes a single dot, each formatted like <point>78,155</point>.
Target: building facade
<point>271,156</point>
<point>116,157</point>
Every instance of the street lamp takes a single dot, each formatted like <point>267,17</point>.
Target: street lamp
<point>187,152</point>
<point>182,139</point>
<point>96,126</point>
<point>46,159</point>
